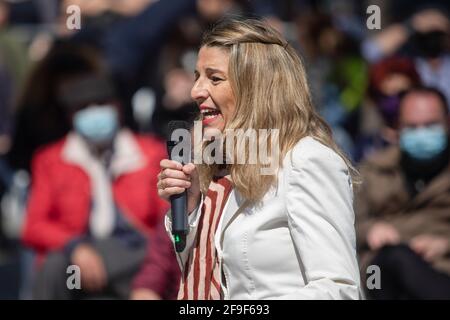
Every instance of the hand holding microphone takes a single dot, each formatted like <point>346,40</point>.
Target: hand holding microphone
<point>176,178</point>
<point>178,181</point>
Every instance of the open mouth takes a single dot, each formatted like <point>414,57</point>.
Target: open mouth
<point>209,115</point>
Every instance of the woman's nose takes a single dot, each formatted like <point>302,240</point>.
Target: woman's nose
<point>199,92</point>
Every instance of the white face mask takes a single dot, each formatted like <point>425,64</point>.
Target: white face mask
<point>97,124</point>
<point>423,143</point>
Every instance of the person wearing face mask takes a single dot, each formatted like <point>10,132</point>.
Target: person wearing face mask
<point>424,37</point>
<point>92,201</point>
<point>388,78</point>
<point>403,208</point>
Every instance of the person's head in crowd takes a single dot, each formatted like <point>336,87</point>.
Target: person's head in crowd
<point>99,15</point>
<point>423,129</point>
<point>319,36</point>
<point>93,8</point>
<point>431,36</point>
<point>213,10</point>
<point>92,107</point>
<point>40,116</point>
<point>387,80</point>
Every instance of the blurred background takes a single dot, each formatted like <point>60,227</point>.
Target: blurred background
<point>145,50</point>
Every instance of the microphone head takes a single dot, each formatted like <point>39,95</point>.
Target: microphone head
<point>174,125</point>
<point>182,155</point>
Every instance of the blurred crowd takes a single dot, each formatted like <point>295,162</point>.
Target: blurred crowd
<point>84,112</point>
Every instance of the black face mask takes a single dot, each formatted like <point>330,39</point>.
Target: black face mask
<point>430,44</point>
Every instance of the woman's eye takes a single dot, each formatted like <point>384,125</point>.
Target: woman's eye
<point>216,79</point>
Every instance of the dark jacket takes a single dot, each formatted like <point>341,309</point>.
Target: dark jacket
<point>384,196</point>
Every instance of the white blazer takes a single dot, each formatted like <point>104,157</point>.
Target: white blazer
<point>299,243</point>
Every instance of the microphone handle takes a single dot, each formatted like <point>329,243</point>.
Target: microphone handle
<point>179,206</point>
<point>179,220</point>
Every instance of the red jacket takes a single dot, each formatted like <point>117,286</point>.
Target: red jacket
<point>60,197</point>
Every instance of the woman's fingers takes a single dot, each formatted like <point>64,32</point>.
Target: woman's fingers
<point>188,168</point>
<point>176,174</point>
<point>170,164</point>
<point>167,192</point>
<point>191,171</point>
<point>175,178</point>
<point>170,182</point>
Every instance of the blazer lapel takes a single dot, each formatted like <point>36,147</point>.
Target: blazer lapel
<point>234,206</point>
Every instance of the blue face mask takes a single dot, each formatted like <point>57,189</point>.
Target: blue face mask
<point>423,143</point>
<point>97,124</point>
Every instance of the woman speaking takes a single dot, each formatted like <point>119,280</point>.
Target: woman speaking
<point>288,235</point>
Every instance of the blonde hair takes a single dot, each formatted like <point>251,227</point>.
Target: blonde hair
<point>271,90</point>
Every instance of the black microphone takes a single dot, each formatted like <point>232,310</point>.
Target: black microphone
<point>179,201</point>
